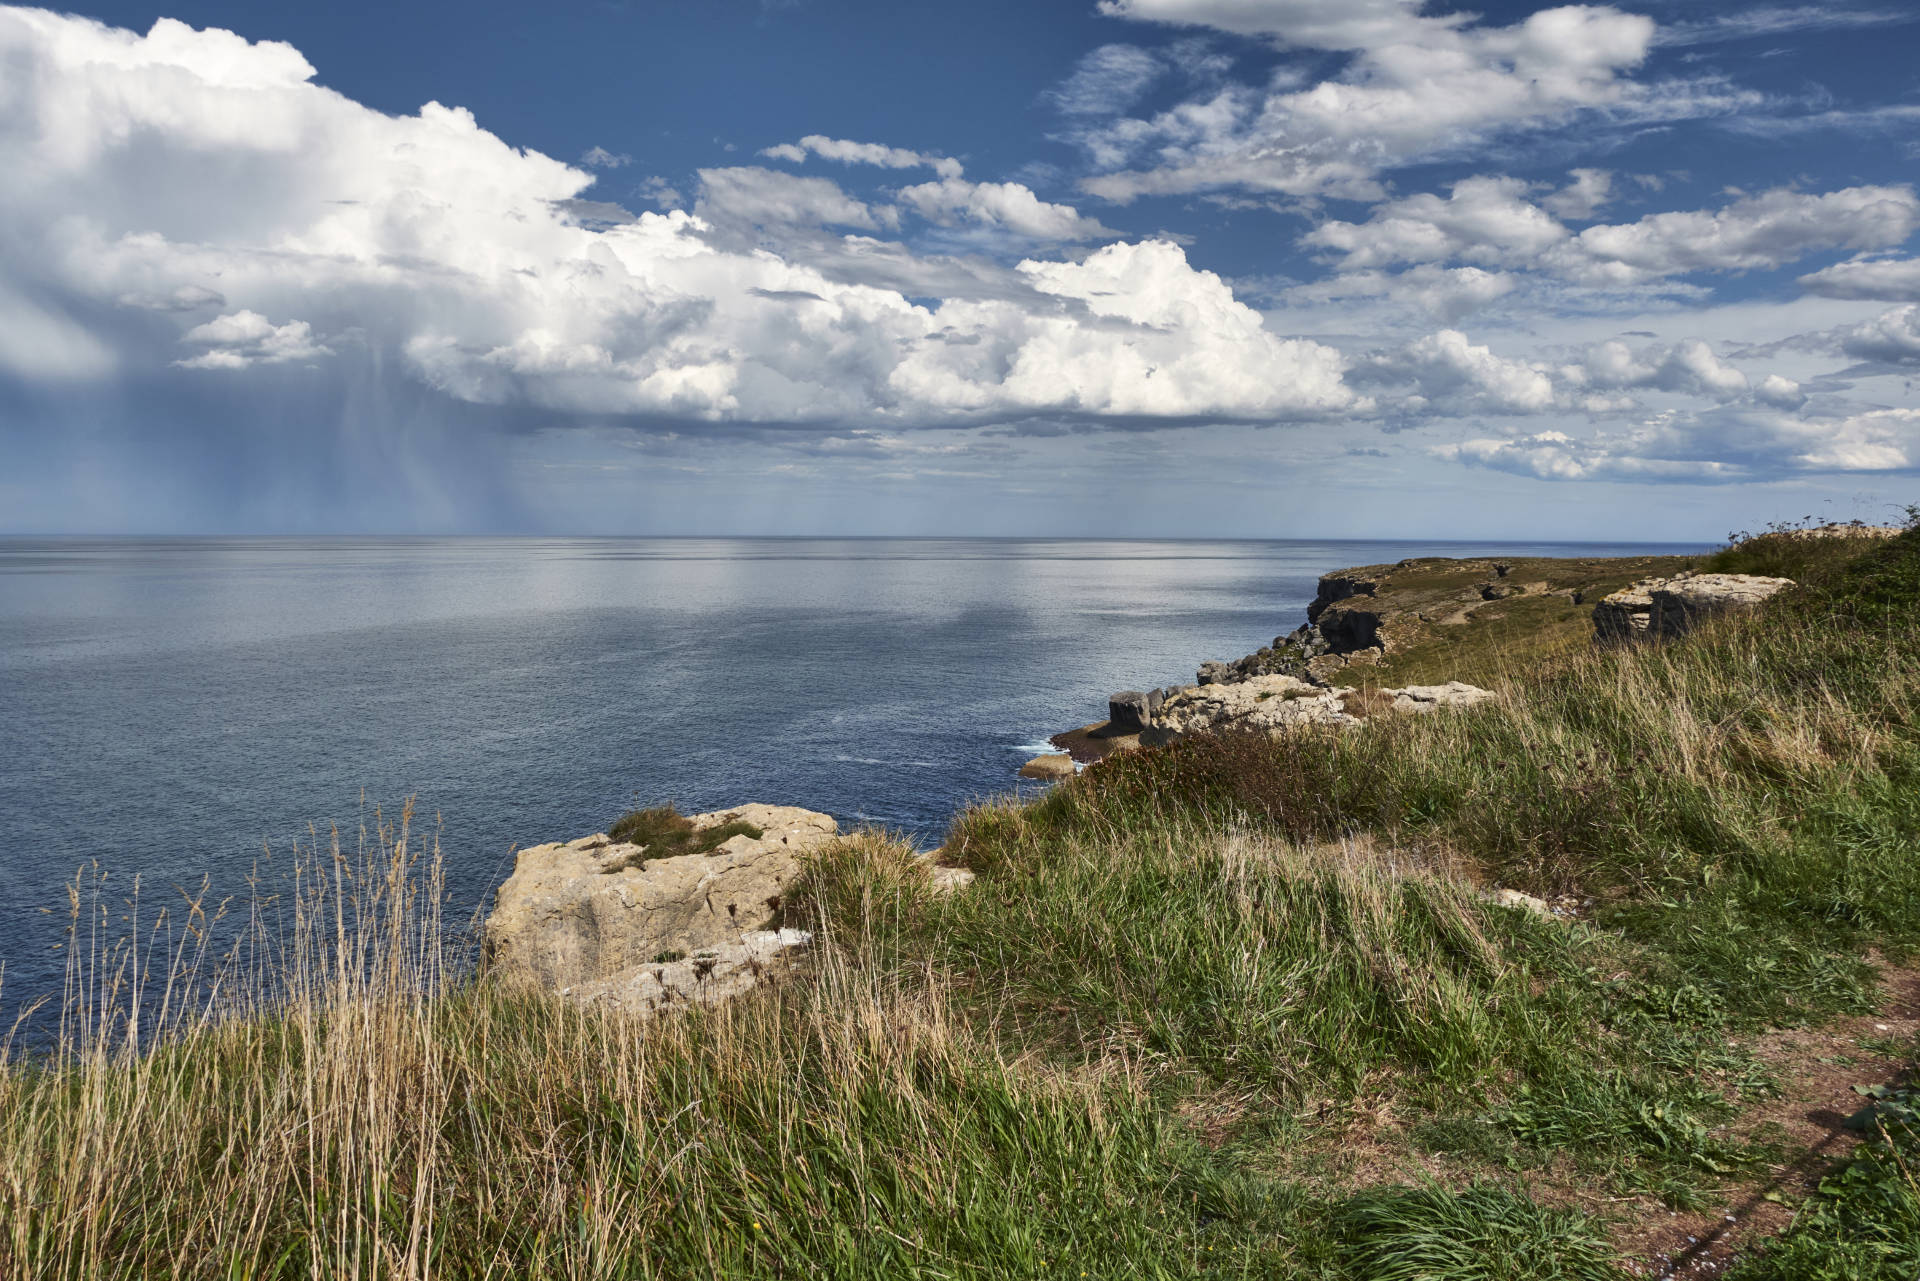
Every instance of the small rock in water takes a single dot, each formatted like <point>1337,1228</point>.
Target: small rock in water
<point>1052,765</point>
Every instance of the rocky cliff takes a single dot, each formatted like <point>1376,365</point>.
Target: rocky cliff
<point>598,919</point>
<point>1409,636</point>
<point>1433,619</point>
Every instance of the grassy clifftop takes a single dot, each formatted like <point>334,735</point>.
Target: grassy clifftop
<point>1479,620</point>
<point>1233,1007</point>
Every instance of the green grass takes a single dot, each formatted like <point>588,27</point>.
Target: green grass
<point>1295,919</point>
<point>1485,1232</point>
<point>663,832</point>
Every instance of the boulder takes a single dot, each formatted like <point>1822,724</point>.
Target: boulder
<point>1131,711</point>
<point>1322,668</point>
<point>1662,608</point>
<point>944,877</point>
<point>588,910</point>
<point>1353,623</point>
<point>1050,766</point>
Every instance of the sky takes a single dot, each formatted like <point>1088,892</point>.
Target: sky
<point>1642,271</point>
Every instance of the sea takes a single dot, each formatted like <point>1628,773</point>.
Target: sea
<point>180,709</point>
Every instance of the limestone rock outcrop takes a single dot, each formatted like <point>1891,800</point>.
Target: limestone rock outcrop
<point>1662,608</point>
<point>1425,698</point>
<point>708,976</point>
<point>1838,529</point>
<point>1389,629</point>
<point>1285,702</point>
<point>588,911</point>
<point>1257,702</point>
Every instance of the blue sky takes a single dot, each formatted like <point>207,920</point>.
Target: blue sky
<point>1161,267</point>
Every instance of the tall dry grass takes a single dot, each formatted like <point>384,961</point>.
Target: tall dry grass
<point>333,1097</point>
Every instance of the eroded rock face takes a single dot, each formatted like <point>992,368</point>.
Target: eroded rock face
<point>1662,608</point>
<point>1132,710</point>
<point>710,975</point>
<point>1258,702</point>
<point>1285,702</point>
<point>586,911</point>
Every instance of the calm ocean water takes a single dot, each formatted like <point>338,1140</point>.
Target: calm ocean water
<point>170,706</point>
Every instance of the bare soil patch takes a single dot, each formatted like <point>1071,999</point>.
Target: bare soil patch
<point>1817,1069</point>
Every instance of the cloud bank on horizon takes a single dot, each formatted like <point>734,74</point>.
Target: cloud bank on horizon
<point>1453,250</point>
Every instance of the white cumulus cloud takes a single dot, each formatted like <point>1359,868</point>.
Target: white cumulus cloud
<point>149,175</point>
<point>1892,337</point>
<point>1493,222</point>
<point>247,338</point>
<point>1755,232</point>
<point>1448,374</point>
<point>1415,84</point>
<point>1583,197</point>
<point>1008,205</point>
<point>1737,443</point>
<point>1486,220</point>
<point>1882,279</point>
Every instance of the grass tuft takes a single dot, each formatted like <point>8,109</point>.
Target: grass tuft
<point>664,832</point>
<point>1484,1232</point>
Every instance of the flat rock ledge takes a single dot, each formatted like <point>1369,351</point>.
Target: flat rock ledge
<point>1663,608</point>
<point>1271,703</point>
<point>595,919</point>
<point>1285,702</point>
<point>1051,765</point>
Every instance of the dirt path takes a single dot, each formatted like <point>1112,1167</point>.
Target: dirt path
<point>1817,1070</point>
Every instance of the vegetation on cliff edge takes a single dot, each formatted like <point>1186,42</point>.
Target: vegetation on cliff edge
<point>1232,1007</point>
